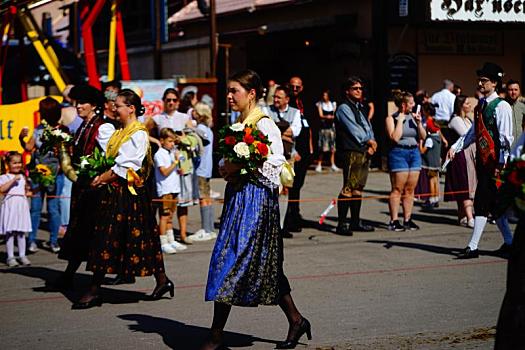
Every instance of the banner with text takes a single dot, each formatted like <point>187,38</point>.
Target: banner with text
<point>478,10</point>
<point>15,117</point>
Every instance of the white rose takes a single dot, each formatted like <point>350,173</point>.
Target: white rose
<point>237,127</point>
<point>55,132</point>
<point>83,163</point>
<point>242,150</point>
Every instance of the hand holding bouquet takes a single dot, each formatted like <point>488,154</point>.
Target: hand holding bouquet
<point>245,146</point>
<point>94,164</point>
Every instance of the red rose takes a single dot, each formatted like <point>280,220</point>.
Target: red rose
<point>230,140</point>
<point>248,139</point>
<point>263,149</point>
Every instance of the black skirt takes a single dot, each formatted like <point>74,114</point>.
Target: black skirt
<point>77,240</point>
<point>125,236</point>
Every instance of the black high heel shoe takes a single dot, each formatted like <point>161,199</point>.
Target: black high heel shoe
<point>96,301</point>
<point>159,291</point>
<point>304,327</point>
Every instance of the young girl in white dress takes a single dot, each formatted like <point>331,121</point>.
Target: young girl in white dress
<point>15,219</point>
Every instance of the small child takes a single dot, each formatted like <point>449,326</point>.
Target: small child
<point>202,113</point>
<point>15,218</point>
<point>168,189</point>
<point>431,158</point>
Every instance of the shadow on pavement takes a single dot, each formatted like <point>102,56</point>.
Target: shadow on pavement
<point>81,282</point>
<point>429,248</point>
<point>178,335</point>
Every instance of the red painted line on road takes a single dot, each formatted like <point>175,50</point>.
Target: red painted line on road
<point>303,277</point>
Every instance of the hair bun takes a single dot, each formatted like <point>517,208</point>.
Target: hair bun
<point>141,110</point>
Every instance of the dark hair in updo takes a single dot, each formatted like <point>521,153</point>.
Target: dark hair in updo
<point>131,98</point>
<point>249,80</point>
<point>401,97</point>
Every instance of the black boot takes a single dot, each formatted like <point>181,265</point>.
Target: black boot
<point>357,225</point>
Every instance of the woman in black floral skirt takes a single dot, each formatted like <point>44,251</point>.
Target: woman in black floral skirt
<point>125,240</point>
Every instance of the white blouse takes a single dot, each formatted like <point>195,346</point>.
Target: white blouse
<point>271,168</point>
<point>131,153</point>
<point>104,134</point>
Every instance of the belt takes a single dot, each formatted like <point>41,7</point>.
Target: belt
<point>405,146</point>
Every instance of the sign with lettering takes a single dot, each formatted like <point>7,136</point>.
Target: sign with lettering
<point>460,42</point>
<point>478,10</point>
<point>15,117</point>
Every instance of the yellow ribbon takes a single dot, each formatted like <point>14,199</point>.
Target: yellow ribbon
<point>116,141</point>
<point>134,179</point>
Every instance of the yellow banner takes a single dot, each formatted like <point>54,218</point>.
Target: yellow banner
<point>15,117</point>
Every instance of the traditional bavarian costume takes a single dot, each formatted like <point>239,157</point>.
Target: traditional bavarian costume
<point>125,238</point>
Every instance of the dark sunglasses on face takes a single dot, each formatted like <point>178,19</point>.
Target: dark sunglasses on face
<point>171,99</point>
<point>355,88</point>
<point>483,80</point>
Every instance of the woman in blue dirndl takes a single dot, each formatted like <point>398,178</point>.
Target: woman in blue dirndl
<point>246,267</point>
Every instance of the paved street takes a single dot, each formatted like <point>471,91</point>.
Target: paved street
<point>380,290</point>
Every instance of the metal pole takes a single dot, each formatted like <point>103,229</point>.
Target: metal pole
<point>213,40</point>
<point>158,42</point>
<point>112,41</point>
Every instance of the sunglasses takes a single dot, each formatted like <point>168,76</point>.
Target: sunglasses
<point>171,99</point>
<point>483,80</point>
<point>355,88</point>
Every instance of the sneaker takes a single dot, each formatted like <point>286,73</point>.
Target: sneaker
<point>167,249</point>
<point>199,236</point>
<point>212,234</point>
<point>54,247</point>
<point>470,223</point>
<point>11,262</point>
<point>395,226</point>
<point>33,248</point>
<point>463,222</point>
<point>335,169</point>
<point>214,194</point>
<point>178,246</point>
<point>24,261</point>
<point>410,225</point>
<point>319,169</point>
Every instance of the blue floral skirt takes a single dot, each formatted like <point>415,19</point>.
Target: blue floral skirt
<point>246,267</point>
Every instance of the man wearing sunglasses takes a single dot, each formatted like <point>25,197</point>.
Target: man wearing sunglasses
<point>492,132</point>
<point>354,144</point>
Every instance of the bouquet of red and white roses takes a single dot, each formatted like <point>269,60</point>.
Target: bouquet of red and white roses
<point>243,145</point>
<point>512,187</point>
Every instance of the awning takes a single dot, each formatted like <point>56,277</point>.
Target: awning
<point>191,11</point>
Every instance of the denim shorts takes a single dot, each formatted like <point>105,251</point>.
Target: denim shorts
<point>404,159</point>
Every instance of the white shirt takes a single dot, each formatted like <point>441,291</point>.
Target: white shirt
<point>104,134</point>
<point>460,125</point>
<point>445,101</point>
<point>166,184</point>
<point>503,114</point>
<point>177,121</point>
<point>131,153</point>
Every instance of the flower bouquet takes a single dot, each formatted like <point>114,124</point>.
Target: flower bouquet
<point>53,137</point>
<point>43,176</point>
<point>244,145</point>
<point>94,164</point>
<point>512,187</point>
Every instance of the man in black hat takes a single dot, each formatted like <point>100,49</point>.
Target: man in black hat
<point>492,132</point>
